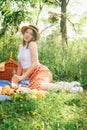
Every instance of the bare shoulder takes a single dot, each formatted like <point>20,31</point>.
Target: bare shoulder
<point>33,44</point>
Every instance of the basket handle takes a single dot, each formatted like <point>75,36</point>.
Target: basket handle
<point>11,56</point>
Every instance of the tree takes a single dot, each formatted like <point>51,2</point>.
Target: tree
<point>11,17</point>
<point>63,21</point>
<point>63,25</point>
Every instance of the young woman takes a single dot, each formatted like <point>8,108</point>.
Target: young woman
<point>29,66</point>
<point>30,69</point>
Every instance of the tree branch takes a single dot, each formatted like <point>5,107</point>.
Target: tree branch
<point>67,2</point>
<point>58,2</point>
<point>69,21</point>
<point>40,9</point>
<point>48,27</point>
<point>72,24</point>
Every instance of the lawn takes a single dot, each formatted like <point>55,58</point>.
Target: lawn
<point>56,111</point>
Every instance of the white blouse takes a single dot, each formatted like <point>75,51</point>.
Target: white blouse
<point>24,57</point>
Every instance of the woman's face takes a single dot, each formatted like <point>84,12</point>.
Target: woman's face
<point>28,35</point>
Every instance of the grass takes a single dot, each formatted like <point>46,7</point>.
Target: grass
<point>67,65</point>
<point>57,111</point>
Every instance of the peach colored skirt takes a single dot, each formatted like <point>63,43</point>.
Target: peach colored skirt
<point>40,74</point>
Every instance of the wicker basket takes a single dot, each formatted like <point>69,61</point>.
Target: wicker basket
<point>10,66</point>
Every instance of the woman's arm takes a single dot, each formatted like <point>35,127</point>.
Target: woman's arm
<point>19,69</point>
<point>34,59</point>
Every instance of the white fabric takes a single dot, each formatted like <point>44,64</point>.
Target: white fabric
<point>72,87</point>
<point>24,56</point>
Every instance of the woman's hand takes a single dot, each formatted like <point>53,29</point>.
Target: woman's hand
<point>17,78</point>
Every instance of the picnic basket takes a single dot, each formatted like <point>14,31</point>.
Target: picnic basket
<point>9,67</point>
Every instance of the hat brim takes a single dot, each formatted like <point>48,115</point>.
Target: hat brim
<point>24,28</point>
<point>29,27</point>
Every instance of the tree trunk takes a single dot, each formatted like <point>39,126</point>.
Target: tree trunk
<point>63,22</point>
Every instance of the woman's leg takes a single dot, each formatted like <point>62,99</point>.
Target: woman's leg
<point>48,86</point>
<point>43,76</point>
<point>45,85</point>
<point>52,86</point>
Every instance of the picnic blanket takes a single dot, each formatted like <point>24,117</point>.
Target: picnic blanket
<point>22,83</point>
<point>72,87</point>
<point>3,83</point>
<point>5,97</point>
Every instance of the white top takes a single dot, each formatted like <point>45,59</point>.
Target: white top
<point>24,57</point>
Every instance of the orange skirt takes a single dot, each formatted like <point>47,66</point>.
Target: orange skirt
<point>39,75</point>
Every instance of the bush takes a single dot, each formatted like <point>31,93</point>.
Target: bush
<point>67,65</point>
<point>9,44</point>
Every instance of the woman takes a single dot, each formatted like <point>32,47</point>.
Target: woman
<point>40,77</point>
<point>29,67</point>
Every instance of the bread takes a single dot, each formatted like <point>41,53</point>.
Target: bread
<point>6,90</point>
<point>15,87</point>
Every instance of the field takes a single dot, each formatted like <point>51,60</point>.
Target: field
<point>56,111</point>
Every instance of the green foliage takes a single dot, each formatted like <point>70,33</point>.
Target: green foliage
<point>13,13</point>
<point>9,43</point>
<point>16,111</point>
<point>81,24</point>
<point>32,3</point>
<point>15,18</point>
<point>67,65</point>
<point>57,111</point>
<point>51,2</point>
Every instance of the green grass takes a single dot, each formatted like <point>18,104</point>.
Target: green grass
<point>57,111</point>
<point>67,65</point>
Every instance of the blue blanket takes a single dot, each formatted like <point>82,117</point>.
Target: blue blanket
<point>4,82</point>
<point>4,97</point>
<point>23,83</point>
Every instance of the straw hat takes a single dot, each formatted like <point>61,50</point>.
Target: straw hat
<point>33,28</point>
